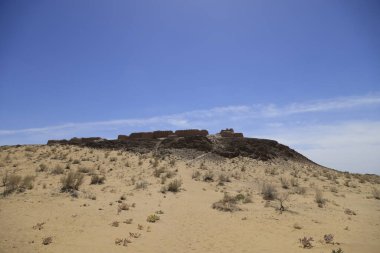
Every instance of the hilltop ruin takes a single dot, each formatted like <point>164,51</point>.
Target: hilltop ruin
<point>226,143</point>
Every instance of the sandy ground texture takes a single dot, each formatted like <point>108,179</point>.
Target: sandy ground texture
<point>206,204</point>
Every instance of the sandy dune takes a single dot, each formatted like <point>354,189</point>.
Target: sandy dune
<point>187,223</point>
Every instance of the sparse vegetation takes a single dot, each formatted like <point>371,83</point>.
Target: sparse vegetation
<point>58,170</point>
<point>319,199</point>
<point>42,168</point>
<point>152,218</point>
<point>47,240</point>
<point>142,184</point>
<point>227,204</point>
<point>284,183</point>
<point>376,193</point>
<point>223,178</point>
<point>175,185</point>
<point>349,211</point>
<point>328,238</point>
<point>282,198</point>
<point>268,191</point>
<point>196,175</point>
<point>306,242</point>
<point>84,169</point>
<point>96,179</point>
<point>208,176</point>
<point>17,183</point>
<point>72,181</point>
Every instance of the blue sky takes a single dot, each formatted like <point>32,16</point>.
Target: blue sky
<point>305,73</point>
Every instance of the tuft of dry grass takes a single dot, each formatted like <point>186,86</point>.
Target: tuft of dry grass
<point>58,170</point>
<point>285,183</point>
<point>72,181</point>
<point>47,240</point>
<point>269,191</point>
<point>328,238</point>
<point>17,183</point>
<point>153,218</point>
<point>208,176</point>
<point>376,193</point>
<point>306,242</point>
<point>96,179</point>
<point>228,203</point>
<point>142,184</point>
<point>319,199</point>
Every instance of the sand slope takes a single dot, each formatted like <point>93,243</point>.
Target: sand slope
<point>188,223</point>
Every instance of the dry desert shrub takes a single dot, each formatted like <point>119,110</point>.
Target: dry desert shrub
<point>47,240</point>
<point>27,183</point>
<point>306,242</point>
<point>281,199</point>
<point>196,175</point>
<point>152,218</point>
<point>223,178</point>
<point>271,171</point>
<point>172,162</point>
<point>376,193</point>
<point>334,189</point>
<point>42,168</point>
<point>142,184</point>
<point>39,226</point>
<point>17,183</point>
<point>349,211</point>
<point>268,191</point>
<point>96,179</point>
<point>175,185</point>
<point>319,199</point>
<point>208,176</point>
<point>229,203</point>
<point>337,251</point>
<point>294,182</point>
<point>328,238</point>
<point>58,170</point>
<point>299,190</point>
<point>122,207</point>
<point>128,221</point>
<point>157,172</point>
<point>84,169</point>
<point>284,183</point>
<point>115,224</point>
<point>134,235</point>
<point>5,178</point>
<point>12,183</point>
<point>72,181</point>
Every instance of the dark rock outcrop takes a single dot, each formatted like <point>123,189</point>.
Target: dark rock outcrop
<point>260,149</point>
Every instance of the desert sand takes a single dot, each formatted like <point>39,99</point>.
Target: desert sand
<point>92,219</point>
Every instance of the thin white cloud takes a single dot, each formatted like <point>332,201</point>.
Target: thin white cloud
<point>351,145</point>
<point>228,113</point>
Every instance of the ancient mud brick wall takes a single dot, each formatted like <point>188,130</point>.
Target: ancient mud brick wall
<point>122,137</point>
<point>162,134</point>
<point>191,132</point>
<point>141,135</point>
